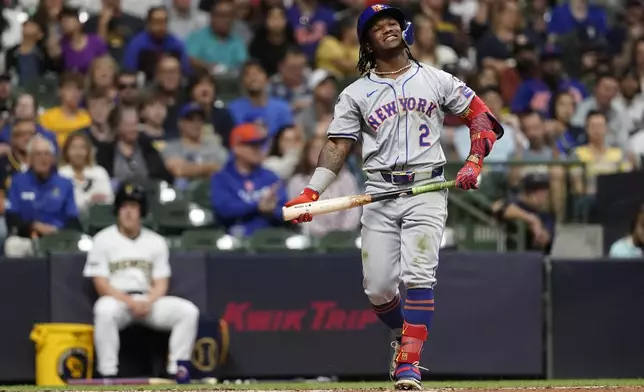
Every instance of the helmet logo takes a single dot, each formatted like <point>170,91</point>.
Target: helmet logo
<point>129,189</point>
<point>377,7</point>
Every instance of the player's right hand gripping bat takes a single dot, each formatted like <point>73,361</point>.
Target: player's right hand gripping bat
<point>347,202</point>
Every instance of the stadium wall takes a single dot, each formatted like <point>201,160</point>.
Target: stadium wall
<point>303,314</point>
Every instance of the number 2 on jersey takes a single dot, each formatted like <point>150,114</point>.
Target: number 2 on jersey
<point>424,134</point>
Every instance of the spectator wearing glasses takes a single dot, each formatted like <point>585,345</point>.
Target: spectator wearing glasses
<point>24,108</point>
<point>114,26</point>
<point>132,154</point>
<point>216,47</point>
<point>92,184</point>
<point>77,49</point>
<point>40,201</point>
<point>128,89</point>
<point>143,51</point>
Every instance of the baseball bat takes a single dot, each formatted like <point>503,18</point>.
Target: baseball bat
<point>347,202</point>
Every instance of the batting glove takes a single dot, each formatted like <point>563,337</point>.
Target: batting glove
<point>467,177</point>
<point>308,195</point>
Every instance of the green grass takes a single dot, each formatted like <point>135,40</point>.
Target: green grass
<point>350,385</point>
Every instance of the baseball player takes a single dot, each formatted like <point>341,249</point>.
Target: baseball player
<point>396,111</point>
<point>129,266</point>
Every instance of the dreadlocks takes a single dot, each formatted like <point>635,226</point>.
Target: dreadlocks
<point>367,59</point>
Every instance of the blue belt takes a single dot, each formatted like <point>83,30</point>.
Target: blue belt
<point>408,177</point>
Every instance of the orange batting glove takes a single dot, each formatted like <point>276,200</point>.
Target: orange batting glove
<point>308,195</point>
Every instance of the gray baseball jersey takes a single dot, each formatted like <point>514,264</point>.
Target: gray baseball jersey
<point>400,121</point>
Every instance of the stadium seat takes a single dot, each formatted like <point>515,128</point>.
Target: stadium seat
<point>200,240</point>
<point>199,192</point>
<point>44,89</point>
<point>63,241</point>
<point>270,240</point>
<point>338,241</point>
<point>175,217</point>
<point>100,216</point>
<point>228,88</point>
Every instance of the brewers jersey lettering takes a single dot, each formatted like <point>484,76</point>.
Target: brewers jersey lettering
<point>400,121</point>
<point>130,264</point>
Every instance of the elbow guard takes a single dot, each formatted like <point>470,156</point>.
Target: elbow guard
<point>485,129</point>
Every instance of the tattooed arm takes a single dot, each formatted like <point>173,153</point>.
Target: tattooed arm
<point>334,154</point>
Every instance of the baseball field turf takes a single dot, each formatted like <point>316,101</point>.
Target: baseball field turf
<point>613,385</point>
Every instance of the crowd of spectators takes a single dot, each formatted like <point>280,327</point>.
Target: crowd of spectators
<point>240,92</point>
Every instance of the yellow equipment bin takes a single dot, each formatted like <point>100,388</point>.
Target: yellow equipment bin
<point>63,351</point>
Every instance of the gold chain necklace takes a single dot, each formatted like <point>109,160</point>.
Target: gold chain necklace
<point>393,72</point>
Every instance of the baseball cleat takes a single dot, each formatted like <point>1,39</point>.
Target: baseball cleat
<point>407,377</point>
<point>395,345</point>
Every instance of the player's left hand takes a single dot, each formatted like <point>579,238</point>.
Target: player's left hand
<point>467,177</point>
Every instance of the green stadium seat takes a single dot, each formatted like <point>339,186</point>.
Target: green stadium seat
<point>174,217</point>
<point>338,241</point>
<point>198,192</point>
<point>269,240</point>
<point>99,217</point>
<point>63,241</point>
<point>201,240</point>
<point>228,88</point>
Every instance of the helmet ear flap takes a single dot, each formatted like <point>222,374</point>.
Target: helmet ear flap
<point>408,33</point>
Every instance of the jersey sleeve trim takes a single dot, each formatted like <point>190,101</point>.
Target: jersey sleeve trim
<point>342,136</point>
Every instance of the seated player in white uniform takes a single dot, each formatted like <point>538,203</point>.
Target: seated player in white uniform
<point>130,269</point>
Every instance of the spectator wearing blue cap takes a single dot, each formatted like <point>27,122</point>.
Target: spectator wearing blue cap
<point>191,156</point>
<point>219,122</point>
<point>530,207</point>
<point>536,93</point>
<point>257,106</point>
